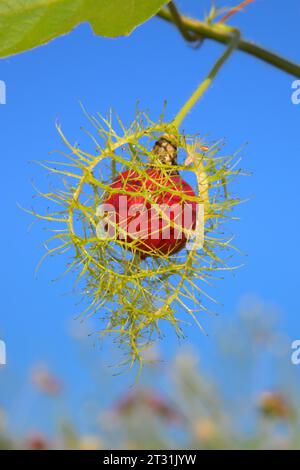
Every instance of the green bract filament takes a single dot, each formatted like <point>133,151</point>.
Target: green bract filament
<point>134,294</point>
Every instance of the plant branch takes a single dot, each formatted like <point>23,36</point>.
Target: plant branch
<point>219,32</point>
<point>233,44</point>
<point>176,18</point>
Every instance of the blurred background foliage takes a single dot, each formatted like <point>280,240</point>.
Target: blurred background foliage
<point>249,398</point>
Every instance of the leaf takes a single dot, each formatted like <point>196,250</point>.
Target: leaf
<point>25,24</point>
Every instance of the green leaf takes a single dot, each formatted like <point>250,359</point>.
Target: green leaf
<point>25,24</point>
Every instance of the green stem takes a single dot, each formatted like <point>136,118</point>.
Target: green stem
<point>232,45</point>
<point>176,18</point>
<point>214,32</point>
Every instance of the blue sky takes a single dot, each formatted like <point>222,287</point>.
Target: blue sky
<point>250,102</point>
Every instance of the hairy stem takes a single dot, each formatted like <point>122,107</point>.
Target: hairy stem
<point>222,35</point>
<point>233,43</point>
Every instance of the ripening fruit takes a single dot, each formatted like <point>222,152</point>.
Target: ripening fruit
<point>154,209</point>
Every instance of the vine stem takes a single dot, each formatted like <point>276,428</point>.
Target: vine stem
<point>186,34</point>
<point>232,45</point>
<point>214,32</point>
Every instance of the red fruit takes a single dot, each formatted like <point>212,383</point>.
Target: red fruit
<point>136,215</point>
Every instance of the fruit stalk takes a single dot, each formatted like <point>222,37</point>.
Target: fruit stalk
<point>232,45</point>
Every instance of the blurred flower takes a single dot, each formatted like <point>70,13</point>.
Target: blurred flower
<point>45,381</point>
<point>274,405</point>
<point>205,429</point>
<point>151,400</point>
<point>37,441</point>
<point>151,355</point>
<point>131,445</point>
<point>90,442</point>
